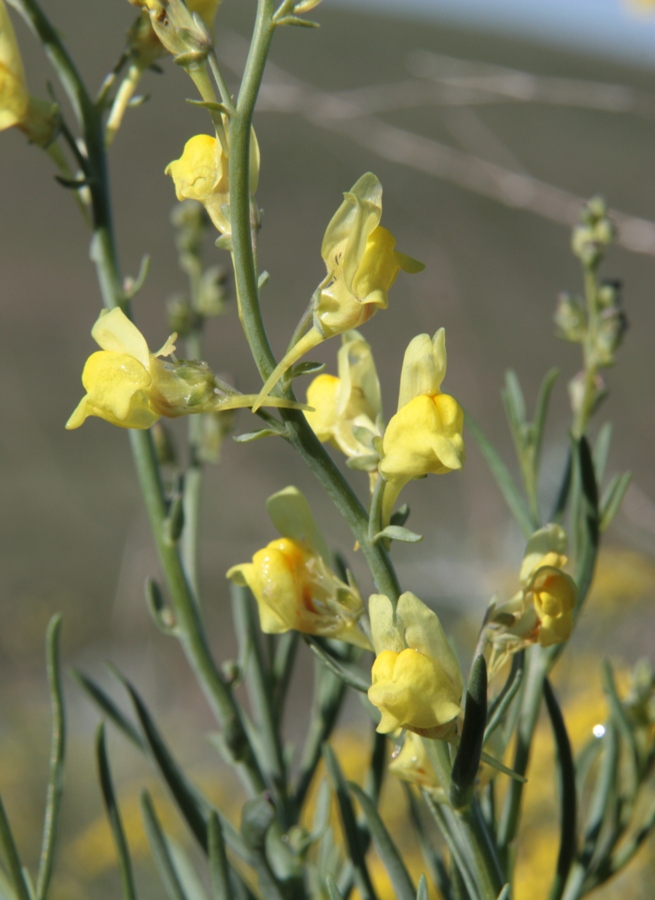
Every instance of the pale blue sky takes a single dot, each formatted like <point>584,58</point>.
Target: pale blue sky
<point>605,27</point>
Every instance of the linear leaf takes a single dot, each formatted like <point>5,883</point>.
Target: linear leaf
<point>57,752</point>
<point>349,823</point>
<point>613,498</point>
<point>422,890</point>
<point>12,858</point>
<point>333,890</point>
<point>602,449</point>
<point>349,674</point>
<point>502,702</point>
<point>467,760</point>
<point>160,850</point>
<point>109,708</point>
<point>504,480</point>
<point>568,798</point>
<point>387,851</point>
<point>114,816</point>
<point>541,411</point>
<point>587,526</point>
<point>218,865</point>
<point>459,849</point>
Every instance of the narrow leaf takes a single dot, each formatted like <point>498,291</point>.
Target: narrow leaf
<point>602,449</point>
<point>502,702</point>
<point>398,533</point>
<point>624,728</point>
<point>12,858</point>
<point>467,760</point>
<point>160,850</point>
<point>57,751</point>
<point>588,523</point>
<point>218,865</point>
<point>568,798</point>
<point>613,498</point>
<point>350,674</point>
<point>514,401</point>
<point>114,817</point>
<point>459,849</point>
<point>541,411</point>
<point>504,480</point>
<point>109,708</point>
<point>332,889</point>
<point>349,824</point>
<point>387,851</point>
<point>256,435</point>
<point>422,890</point>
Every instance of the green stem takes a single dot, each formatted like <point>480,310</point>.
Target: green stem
<point>585,409</point>
<point>299,434</point>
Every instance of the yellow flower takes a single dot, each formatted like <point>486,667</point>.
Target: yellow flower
<point>291,580</point>
<point>347,411</point>
<point>201,173</point>
<point>542,610</point>
<point>416,680</point>
<point>411,764</point>
<point>361,266</point>
<point>34,117</point>
<point>553,595</point>
<point>131,387</point>
<point>425,435</point>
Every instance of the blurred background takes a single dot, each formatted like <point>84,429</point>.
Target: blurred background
<point>488,125</point>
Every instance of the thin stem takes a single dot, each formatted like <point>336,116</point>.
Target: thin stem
<point>299,434</point>
<point>586,406</point>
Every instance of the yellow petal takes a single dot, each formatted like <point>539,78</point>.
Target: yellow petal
<point>549,539</point>
<point>197,174</point>
<point>114,331</point>
<point>291,514</point>
<point>322,394</point>
<point>424,367</point>
<point>423,632</point>
<point>345,238</point>
<point>14,97</point>
<point>385,629</point>
<point>117,386</point>
<point>425,436</point>
<point>378,268</point>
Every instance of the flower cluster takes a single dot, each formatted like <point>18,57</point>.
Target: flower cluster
<point>292,581</point>
<point>542,609</point>
<point>416,679</point>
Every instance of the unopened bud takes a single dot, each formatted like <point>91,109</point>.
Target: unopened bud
<point>609,294</point>
<point>213,292</point>
<point>577,392</point>
<point>181,316</point>
<point>612,326</point>
<point>570,318</point>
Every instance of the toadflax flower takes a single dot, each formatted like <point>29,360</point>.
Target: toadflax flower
<point>292,582</point>
<point>542,610</point>
<point>131,387</point>
<point>425,435</point>
<point>201,173</point>
<point>347,410</point>
<point>416,680</point>
<point>36,118</point>
<point>361,264</point>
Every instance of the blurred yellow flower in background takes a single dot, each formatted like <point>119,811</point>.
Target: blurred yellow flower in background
<point>292,582</point>
<point>416,680</point>
<point>542,609</point>
<point>425,435</point>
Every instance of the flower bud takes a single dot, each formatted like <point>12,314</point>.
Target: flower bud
<point>570,318</point>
